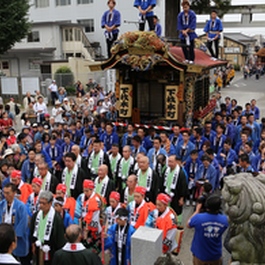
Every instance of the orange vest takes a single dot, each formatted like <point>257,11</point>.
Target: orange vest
<point>166,222</point>
<point>92,218</point>
<point>69,205</point>
<point>26,190</point>
<point>139,215</point>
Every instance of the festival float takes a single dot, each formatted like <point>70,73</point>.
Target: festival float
<point>154,83</point>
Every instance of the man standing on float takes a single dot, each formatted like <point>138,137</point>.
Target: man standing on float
<point>145,8</point>
<point>186,28</point>
<point>213,29</point>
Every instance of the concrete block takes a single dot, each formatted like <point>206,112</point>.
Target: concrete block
<point>146,245</point>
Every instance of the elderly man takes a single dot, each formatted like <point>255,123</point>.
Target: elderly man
<point>72,176</point>
<point>148,179</point>
<point>128,192</point>
<point>103,184</point>
<point>124,168</point>
<point>13,212</point>
<point>175,184</point>
<point>47,230</point>
<point>74,252</point>
<point>27,100</point>
<point>80,161</point>
<point>96,158</point>
<point>49,182</point>
<point>87,213</point>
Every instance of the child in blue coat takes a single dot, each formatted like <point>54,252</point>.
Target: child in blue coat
<point>118,239</point>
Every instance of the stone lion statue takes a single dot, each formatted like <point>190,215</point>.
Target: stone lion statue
<point>244,196</point>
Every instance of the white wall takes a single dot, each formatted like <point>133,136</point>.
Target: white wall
<point>94,11</point>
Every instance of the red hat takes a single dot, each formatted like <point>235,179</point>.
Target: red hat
<point>46,115</point>
<point>141,190</point>
<point>16,174</point>
<point>88,184</point>
<point>37,181</point>
<point>164,198</point>
<point>115,195</point>
<point>61,187</point>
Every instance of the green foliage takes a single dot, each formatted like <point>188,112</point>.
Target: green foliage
<point>71,90</point>
<point>205,7</point>
<point>237,67</point>
<point>14,23</point>
<point>64,76</point>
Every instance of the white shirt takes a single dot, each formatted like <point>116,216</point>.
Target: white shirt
<point>53,87</point>
<point>91,104</point>
<point>37,107</point>
<point>106,106</point>
<point>7,259</point>
<point>57,116</point>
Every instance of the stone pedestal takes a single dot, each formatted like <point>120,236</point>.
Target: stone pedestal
<point>146,245</point>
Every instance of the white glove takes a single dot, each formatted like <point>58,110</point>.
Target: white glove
<point>46,248</point>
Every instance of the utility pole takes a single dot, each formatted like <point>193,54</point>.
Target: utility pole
<point>171,17</point>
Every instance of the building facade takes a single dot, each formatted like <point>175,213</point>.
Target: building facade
<point>63,29</point>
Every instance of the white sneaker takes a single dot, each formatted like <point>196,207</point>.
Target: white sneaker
<point>188,203</point>
<point>193,203</point>
<point>191,62</point>
<point>186,61</point>
<point>213,59</point>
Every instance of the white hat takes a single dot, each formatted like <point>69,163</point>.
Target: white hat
<point>54,81</point>
<point>65,99</point>
<point>8,152</point>
<point>102,111</point>
<point>57,102</point>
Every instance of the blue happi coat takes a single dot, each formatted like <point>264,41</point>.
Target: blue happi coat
<point>20,224</point>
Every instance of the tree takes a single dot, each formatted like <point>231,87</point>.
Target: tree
<point>205,7</point>
<point>14,23</point>
<point>64,76</point>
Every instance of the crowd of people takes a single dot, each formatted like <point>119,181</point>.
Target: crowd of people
<point>74,166</point>
<point>223,77</point>
<point>72,182</point>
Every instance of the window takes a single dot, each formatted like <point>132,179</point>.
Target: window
<point>68,34</point>
<point>77,35</point>
<point>34,36</point>
<point>63,2</point>
<point>34,63</point>
<point>88,24</point>
<point>80,2</point>
<point>5,65</point>
<point>42,3</point>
